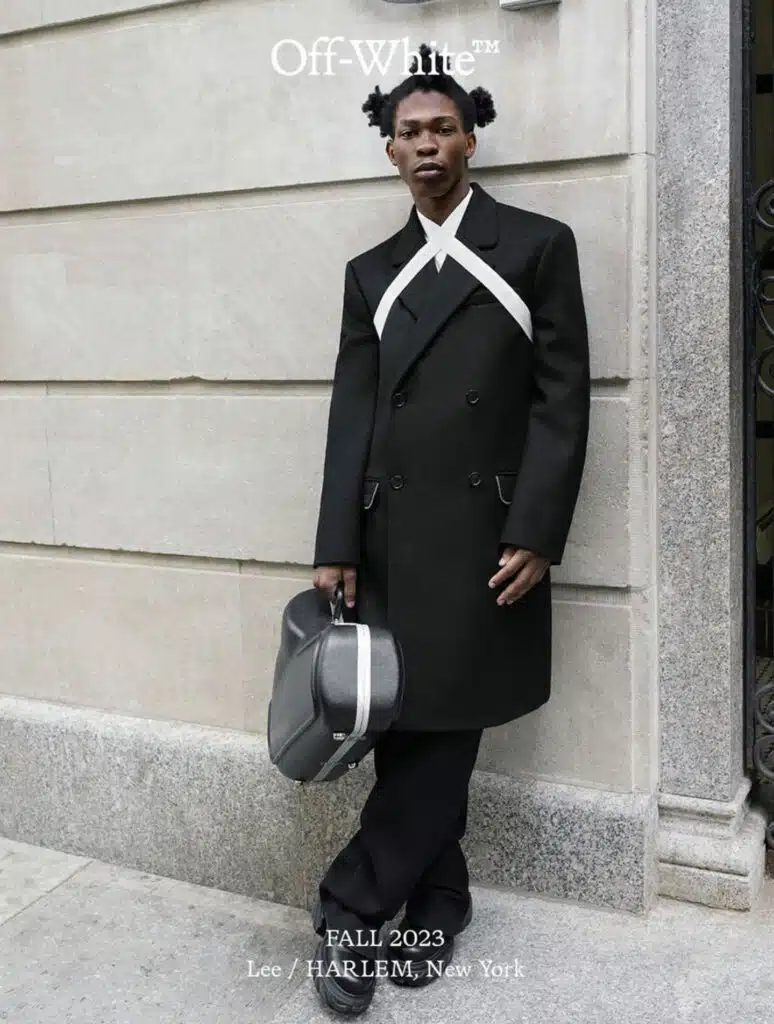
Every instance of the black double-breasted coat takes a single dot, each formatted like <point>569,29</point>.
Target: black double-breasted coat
<point>451,437</point>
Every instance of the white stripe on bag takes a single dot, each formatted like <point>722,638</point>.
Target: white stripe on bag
<point>363,710</point>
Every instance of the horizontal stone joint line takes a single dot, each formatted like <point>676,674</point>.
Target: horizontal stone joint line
<point>126,556</point>
<point>350,188</point>
<point>244,566</point>
<point>171,388</point>
<point>714,872</point>
<point>175,386</point>
<point>591,593</point>
<point>91,21</point>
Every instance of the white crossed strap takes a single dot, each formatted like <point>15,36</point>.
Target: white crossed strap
<point>472,262</point>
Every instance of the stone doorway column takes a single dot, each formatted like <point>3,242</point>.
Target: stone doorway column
<point>711,842</point>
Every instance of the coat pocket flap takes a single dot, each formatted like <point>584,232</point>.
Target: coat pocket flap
<point>505,484</point>
<point>370,487</point>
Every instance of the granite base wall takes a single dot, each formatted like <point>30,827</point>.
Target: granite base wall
<point>206,805</point>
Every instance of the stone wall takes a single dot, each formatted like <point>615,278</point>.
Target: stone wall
<point>175,219</point>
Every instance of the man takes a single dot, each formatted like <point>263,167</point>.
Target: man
<point>456,442</point>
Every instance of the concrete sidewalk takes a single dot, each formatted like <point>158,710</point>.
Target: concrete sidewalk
<point>83,942</point>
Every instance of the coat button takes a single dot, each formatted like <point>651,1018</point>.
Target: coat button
<point>396,481</point>
<point>399,399</point>
<point>474,478</point>
<point>471,395</point>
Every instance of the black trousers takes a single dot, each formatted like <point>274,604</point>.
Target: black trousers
<point>407,847</point>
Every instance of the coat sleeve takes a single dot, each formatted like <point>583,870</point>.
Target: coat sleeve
<point>554,453</point>
<point>350,426</point>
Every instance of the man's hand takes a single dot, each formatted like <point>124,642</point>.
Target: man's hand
<point>528,569</point>
<point>327,576</point>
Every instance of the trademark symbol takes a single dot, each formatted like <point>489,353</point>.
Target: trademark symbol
<point>486,45</point>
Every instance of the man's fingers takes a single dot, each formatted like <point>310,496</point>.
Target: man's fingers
<point>514,564</point>
<point>520,586</point>
<point>328,579</point>
<point>350,578</point>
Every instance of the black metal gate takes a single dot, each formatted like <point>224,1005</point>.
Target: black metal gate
<point>758,351</point>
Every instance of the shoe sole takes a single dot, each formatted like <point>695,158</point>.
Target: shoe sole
<point>468,916</point>
<point>318,918</point>
<point>334,996</point>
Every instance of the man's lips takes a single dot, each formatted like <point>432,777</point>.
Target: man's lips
<point>429,170</point>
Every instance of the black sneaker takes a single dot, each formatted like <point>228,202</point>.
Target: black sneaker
<point>420,964</point>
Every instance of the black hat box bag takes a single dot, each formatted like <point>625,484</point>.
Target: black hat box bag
<point>337,685</point>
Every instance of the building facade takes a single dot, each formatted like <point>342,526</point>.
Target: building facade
<point>177,208</point>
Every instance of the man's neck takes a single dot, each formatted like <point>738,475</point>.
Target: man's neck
<point>438,208</point>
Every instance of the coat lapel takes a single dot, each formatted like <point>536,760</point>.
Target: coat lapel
<point>432,296</point>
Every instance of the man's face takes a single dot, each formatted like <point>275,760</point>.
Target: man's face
<point>428,130</point>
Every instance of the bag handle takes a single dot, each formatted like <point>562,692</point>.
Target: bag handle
<point>337,605</point>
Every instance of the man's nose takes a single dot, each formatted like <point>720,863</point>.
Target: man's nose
<point>427,144</point>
